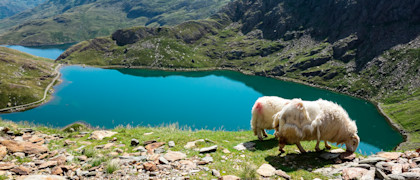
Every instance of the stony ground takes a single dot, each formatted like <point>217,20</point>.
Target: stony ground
<point>30,154</point>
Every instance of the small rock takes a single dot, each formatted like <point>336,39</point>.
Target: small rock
<point>27,130</point>
<point>162,160</point>
<point>171,144</point>
<point>226,151</point>
<point>187,164</point>
<point>21,170</point>
<point>3,152</point>
<point>6,166</point>
<point>366,166</point>
<point>57,171</point>
<point>150,166</point>
<point>192,144</point>
<point>215,172</point>
<point>339,150</point>
<point>390,155</point>
<point>147,134</point>
<point>113,154</point>
<point>282,174</point>
<point>70,158</point>
<point>244,146</point>
<point>151,147</point>
<point>369,175</point>
<point>68,142</point>
<point>133,158</point>
<point>209,149</point>
<point>230,177</point>
<point>134,142</point>
<point>266,170</point>
<point>347,156</point>
<point>148,142</point>
<point>108,146</point>
<point>19,154</point>
<point>159,150</point>
<point>380,174</point>
<point>411,154</point>
<point>410,176</point>
<point>328,156</point>
<point>82,158</point>
<point>48,164</point>
<point>396,169</point>
<point>207,159</point>
<point>118,150</point>
<point>371,160</point>
<point>353,173</point>
<point>99,135</point>
<point>396,177</point>
<point>174,156</point>
<point>44,177</point>
<point>140,149</point>
<point>61,159</point>
<point>25,147</point>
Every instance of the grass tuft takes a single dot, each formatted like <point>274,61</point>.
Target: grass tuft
<point>112,166</point>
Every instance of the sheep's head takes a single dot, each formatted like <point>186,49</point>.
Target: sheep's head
<point>352,143</point>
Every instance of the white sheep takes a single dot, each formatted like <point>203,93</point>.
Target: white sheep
<point>262,114</point>
<point>315,120</point>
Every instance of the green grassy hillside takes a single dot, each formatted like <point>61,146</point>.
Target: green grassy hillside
<point>356,59</point>
<point>12,7</point>
<point>23,77</point>
<point>59,22</point>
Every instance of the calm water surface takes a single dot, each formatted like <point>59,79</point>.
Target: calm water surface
<point>201,100</point>
<point>50,52</point>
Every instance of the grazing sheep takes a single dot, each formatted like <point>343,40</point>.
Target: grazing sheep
<point>315,120</point>
<point>262,114</point>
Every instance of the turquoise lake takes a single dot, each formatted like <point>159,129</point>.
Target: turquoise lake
<point>215,100</point>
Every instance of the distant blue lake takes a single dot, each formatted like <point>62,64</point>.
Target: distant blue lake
<point>215,100</point>
<point>50,52</point>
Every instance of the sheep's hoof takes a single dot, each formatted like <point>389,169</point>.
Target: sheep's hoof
<point>317,149</point>
<point>328,147</point>
<point>281,151</point>
<point>265,135</point>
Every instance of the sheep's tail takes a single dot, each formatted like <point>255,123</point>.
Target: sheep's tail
<point>256,114</point>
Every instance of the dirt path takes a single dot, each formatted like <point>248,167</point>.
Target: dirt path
<point>56,71</point>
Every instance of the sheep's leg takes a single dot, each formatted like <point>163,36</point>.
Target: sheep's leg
<point>259,134</point>
<point>264,133</point>
<point>255,131</point>
<point>300,147</point>
<point>281,146</point>
<point>317,146</point>
<point>327,146</point>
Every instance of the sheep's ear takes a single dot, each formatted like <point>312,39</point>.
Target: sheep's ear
<point>299,106</point>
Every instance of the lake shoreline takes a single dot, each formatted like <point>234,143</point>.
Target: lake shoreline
<point>394,125</point>
<point>45,99</point>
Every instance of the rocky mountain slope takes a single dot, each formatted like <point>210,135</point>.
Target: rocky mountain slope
<point>368,49</point>
<point>58,22</point>
<point>12,7</point>
<point>23,77</point>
